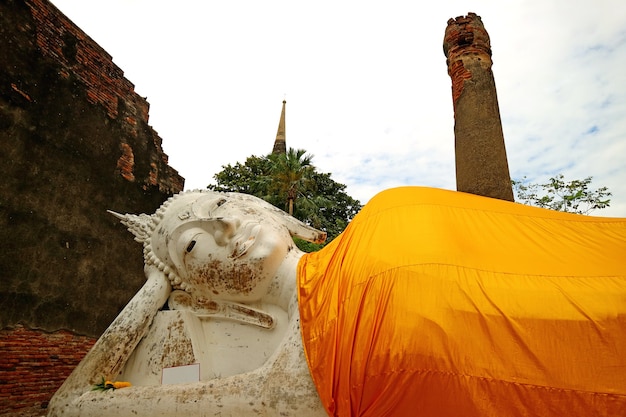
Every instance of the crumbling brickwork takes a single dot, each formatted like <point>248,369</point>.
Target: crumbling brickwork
<point>74,142</point>
<point>34,364</point>
<point>57,38</point>
<point>481,162</point>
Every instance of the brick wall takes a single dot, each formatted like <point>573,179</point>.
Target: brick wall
<point>94,66</point>
<point>34,364</point>
<point>58,38</point>
<point>74,142</point>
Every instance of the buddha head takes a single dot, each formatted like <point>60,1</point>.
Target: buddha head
<point>213,245</point>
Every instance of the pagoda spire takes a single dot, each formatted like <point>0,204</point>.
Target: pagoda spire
<point>280,144</point>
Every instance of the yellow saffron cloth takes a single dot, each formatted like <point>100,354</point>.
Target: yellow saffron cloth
<point>441,303</point>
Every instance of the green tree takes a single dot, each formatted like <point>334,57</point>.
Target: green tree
<point>247,178</point>
<point>557,194</point>
<point>336,209</point>
<point>291,180</point>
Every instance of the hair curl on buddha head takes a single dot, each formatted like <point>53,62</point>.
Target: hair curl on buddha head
<point>186,207</point>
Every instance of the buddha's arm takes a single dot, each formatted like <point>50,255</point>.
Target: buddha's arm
<point>111,351</point>
<point>282,387</point>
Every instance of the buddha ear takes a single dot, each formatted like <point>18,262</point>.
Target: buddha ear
<point>301,230</point>
<point>296,227</point>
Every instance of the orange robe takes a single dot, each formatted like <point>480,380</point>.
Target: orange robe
<point>441,303</point>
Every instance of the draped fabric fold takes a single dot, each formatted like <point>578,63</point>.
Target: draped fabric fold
<point>441,303</point>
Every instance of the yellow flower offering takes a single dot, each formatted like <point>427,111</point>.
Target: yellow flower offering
<point>107,385</point>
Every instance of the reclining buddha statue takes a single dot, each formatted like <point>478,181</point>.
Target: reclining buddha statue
<point>430,303</point>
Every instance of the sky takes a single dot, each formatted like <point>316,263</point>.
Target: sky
<point>366,84</point>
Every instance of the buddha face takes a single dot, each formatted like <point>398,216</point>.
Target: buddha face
<point>220,247</point>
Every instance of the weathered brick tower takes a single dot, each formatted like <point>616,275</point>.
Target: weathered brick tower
<point>481,162</point>
<point>280,144</point>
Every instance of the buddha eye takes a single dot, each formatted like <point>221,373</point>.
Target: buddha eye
<point>191,245</point>
<point>221,201</point>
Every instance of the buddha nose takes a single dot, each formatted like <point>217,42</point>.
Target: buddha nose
<point>224,229</point>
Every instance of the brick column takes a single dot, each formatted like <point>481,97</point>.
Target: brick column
<point>481,162</point>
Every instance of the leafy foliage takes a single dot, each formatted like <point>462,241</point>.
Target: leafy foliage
<point>557,194</point>
<point>290,178</point>
<point>244,178</point>
<point>290,182</point>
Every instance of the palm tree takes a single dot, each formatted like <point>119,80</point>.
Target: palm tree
<point>291,176</point>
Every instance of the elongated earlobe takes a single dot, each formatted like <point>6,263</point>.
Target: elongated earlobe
<point>303,231</point>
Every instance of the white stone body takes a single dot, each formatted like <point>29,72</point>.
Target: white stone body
<point>221,293</point>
